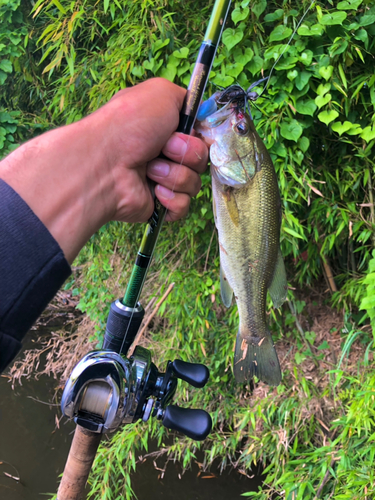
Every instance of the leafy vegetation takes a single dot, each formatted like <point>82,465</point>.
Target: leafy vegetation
<point>314,433</point>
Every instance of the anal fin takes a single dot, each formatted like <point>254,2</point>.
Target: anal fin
<point>279,285</point>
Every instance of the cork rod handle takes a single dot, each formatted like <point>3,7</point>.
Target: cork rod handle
<point>78,465</point>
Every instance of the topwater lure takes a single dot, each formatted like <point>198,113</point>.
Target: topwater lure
<point>233,94</point>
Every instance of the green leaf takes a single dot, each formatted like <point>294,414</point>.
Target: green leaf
<point>258,7</point>
<point>60,7</point>
<point>342,76</point>
<point>182,53</point>
<point>326,72</point>
<point>302,79</point>
<point>368,134</point>
<point>306,57</point>
<point>314,30</point>
<point>298,156</point>
<point>280,33</point>
<point>340,128</point>
<point>168,72</point>
<point>182,68</point>
<point>338,48</point>
<point>255,65</point>
<point>239,14</point>
<point>323,88</point>
<point>223,81</point>
<point>293,233</point>
<point>280,150</point>
<point>363,36</point>
<point>138,71</point>
<point>321,101</point>
<point>233,69</point>
<point>367,20</point>
<point>152,65</point>
<point>3,77</point>
<point>106,5</point>
<point>159,44</point>
<point>15,38</point>
<point>291,130</point>
<point>292,75</point>
<point>307,107</point>
<point>243,57</point>
<point>303,144</point>
<point>333,19</point>
<point>232,37</point>
<point>274,16</point>
<point>355,130</point>
<point>299,357</point>
<point>324,345</point>
<point>349,5</point>
<point>328,116</point>
<point>6,66</point>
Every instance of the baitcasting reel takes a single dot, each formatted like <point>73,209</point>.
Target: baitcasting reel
<point>107,389</point>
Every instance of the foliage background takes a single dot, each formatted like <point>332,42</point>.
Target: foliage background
<point>60,60</point>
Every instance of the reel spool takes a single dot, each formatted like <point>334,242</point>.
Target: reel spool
<point>96,399</point>
<point>95,395</point>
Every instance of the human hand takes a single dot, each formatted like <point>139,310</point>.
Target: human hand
<point>78,177</point>
<point>152,110</point>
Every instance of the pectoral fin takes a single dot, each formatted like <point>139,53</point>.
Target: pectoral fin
<point>225,289</point>
<point>279,286</point>
<point>231,204</point>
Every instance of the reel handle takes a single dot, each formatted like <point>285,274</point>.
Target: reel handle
<point>195,424</point>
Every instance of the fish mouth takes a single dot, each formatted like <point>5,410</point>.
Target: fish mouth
<point>212,125</point>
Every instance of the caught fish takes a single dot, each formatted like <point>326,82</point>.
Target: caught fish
<point>247,210</point>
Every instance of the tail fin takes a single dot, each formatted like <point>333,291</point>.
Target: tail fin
<point>256,356</point>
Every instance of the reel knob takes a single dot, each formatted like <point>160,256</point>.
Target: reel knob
<point>194,374</point>
<point>195,424</point>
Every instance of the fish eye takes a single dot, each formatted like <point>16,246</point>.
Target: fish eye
<point>241,128</point>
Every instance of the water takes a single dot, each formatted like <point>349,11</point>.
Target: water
<point>34,449</point>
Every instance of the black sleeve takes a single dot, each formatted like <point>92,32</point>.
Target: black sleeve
<point>32,269</point>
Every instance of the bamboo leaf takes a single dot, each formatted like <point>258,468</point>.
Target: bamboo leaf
<point>59,6</point>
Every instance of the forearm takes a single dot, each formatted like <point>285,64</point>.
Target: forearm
<point>58,177</point>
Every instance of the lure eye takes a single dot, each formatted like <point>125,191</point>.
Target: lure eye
<point>241,128</point>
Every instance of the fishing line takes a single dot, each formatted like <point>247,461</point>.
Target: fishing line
<point>286,46</point>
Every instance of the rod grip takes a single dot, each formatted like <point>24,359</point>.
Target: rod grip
<point>122,326</point>
<point>78,465</point>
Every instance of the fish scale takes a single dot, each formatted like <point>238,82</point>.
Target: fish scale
<point>247,216</point>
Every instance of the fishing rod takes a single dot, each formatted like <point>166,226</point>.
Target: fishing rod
<point>106,388</point>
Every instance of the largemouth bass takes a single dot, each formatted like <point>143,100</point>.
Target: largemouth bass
<point>247,212</point>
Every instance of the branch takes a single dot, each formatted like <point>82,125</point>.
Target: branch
<point>149,318</point>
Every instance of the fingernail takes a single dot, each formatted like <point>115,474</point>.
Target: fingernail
<point>175,146</point>
<point>159,168</point>
<point>164,192</point>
